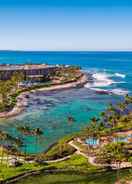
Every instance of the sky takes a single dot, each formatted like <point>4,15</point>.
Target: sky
<point>57,25</point>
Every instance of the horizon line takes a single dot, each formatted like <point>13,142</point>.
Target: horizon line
<point>13,50</point>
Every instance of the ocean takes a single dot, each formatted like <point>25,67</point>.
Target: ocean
<point>112,72</point>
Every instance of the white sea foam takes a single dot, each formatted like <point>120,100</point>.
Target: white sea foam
<point>100,90</point>
<point>98,84</point>
<point>100,80</point>
<point>119,91</point>
<point>120,75</point>
<point>101,76</point>
<point>103,79</point>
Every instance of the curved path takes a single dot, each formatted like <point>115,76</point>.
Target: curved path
<point>92,159</point>
<point>58,160</point>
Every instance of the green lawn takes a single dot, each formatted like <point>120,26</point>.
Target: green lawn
<point>74,178</point>
<point>76,170</point>
<point>8,172</point>
<point>76,162</point>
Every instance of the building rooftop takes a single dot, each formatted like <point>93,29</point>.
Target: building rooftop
<point>4,67</point>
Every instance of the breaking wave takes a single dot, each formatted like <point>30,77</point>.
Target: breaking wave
<point>103,79</point>
<point>120,75</point>
<point>119,91</point>
<point>99,80</point>
<point>116,91</point>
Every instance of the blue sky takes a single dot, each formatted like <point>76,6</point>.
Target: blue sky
<point>66,25</point>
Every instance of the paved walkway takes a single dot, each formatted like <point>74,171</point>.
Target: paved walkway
<point>11,158</point>
<point>79,152</point>
<point>92,159</point>
<point>58,160</point>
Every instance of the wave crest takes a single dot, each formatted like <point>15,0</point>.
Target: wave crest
<point>119,91</point>
<point>120,75</point>
<point>116,91</point>
<point>100,80</point>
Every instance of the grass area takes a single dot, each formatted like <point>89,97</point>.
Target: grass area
<point>82,147</point>
<point>59,150</point>
<point>53,153</point>
<point>76,162</point>
<point>8,172</point>
<point>74,178</point>
<point>77,171</point>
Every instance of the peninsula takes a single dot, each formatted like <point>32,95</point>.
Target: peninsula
<point>17,81</point>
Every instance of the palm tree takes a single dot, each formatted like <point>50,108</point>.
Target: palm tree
<point>94,126</point>
<point>37,132</point>
<point>8,143</point>
<point>111,108</point>
<point>16,78</point>
<point>113,152</point>
<point>122,107</point>
<point>128,99</point>
<point>5,90</point>
<point>18,143</point>
<point>3,137</point>
<point>25,131</point>
<point>112,121</point>
<point>92,132</point>
<point>8,138</point>
<point>103,114</point>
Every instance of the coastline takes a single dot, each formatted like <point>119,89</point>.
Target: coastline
<point>22,100</point>
<point>18,108</point>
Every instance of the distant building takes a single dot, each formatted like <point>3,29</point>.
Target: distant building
<point>32,71</point>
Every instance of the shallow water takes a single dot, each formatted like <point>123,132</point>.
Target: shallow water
<point>50,110</point>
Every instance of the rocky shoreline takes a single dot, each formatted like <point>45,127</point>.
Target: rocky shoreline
<point>22,100</point>
<point>18,108</point>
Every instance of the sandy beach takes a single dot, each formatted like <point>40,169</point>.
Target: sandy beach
<point>22,100</point>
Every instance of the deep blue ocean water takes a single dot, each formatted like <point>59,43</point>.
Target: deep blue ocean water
<point>112,71</point>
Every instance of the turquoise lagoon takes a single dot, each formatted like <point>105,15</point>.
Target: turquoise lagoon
<point>50,110</point>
